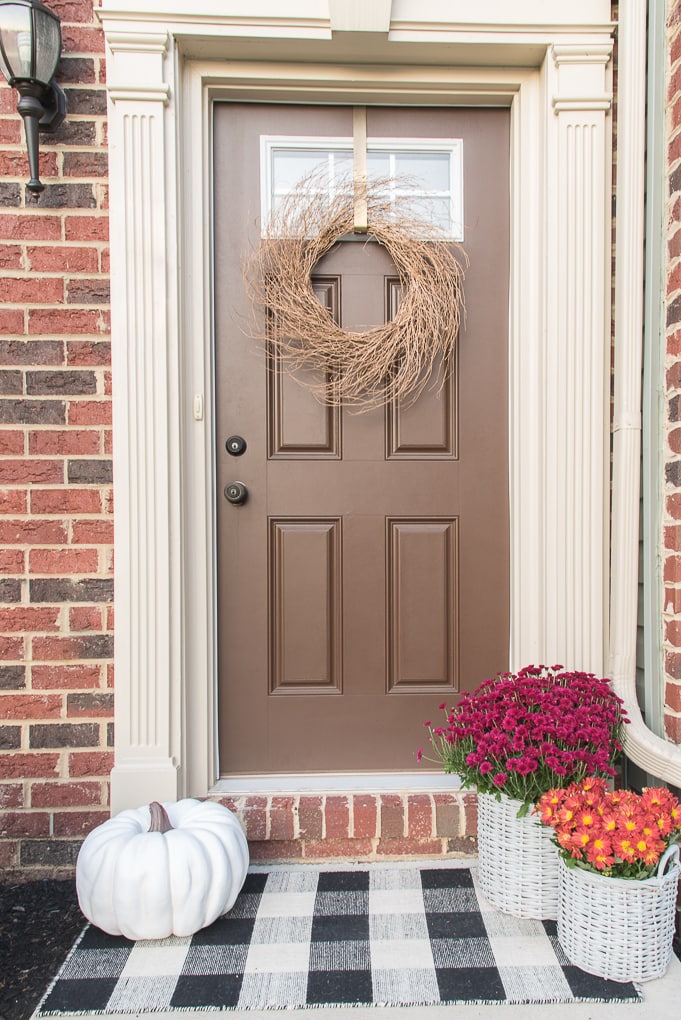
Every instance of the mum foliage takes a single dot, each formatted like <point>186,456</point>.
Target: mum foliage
<point>613,832</point>
<point>527,732</point>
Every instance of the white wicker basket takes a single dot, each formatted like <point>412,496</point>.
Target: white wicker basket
<point>619,928</point>
<point>517,862</point>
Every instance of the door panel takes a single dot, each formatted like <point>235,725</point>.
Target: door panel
<point>367,574</point>
<point>298,425</point>
<point>305,624</point>
<point>423,615</point>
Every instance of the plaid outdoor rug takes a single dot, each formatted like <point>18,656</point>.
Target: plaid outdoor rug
<point>312,937</point>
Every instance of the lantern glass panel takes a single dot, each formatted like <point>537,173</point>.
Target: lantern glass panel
<point>47,45</point>
<point>15,41</point>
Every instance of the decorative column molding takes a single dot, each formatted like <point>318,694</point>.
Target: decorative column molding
<point>135,54</point>
<point>144,412</point>
<point>577,358</point>
<point>580,87</point>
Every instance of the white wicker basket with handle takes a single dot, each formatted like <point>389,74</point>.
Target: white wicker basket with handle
<point>517,862</point>
<point>619,928</point>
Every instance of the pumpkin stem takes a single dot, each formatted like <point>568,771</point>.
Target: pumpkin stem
<point>159,818</point>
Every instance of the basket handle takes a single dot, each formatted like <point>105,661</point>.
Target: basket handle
<point>670,854</point>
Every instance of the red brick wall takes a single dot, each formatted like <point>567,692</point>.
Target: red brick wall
<point>672,453</point>
<point>357,826</point>
<point>56,531</point>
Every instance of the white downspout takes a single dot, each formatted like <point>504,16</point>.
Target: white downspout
<point>657,756</point>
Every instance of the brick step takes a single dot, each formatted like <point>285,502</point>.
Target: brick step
<point>361,826</point>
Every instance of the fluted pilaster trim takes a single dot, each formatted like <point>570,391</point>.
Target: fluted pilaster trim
<point>576,360</point>
<point>144,388</point>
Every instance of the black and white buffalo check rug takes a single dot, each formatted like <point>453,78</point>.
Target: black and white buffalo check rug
<point>311,937</point>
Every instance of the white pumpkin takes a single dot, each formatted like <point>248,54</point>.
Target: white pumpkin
<point>162,870</point>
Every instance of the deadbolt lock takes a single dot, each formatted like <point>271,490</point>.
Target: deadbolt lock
<point>236,445</point>
<point>236,493</point>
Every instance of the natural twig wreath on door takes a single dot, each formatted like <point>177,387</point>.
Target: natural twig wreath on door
<point>369,369</point>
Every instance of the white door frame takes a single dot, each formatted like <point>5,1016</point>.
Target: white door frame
<point>161,88</point>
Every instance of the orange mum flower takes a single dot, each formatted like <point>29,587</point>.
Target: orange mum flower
<point>564,839</point>
<point>580,838</point>
<point>651,858</point>
<point>565,815</point>
<point>599,858</point>
<point>624,848</point>
<point>664,824</point>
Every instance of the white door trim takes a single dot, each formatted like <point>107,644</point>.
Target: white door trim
<point>161,223</point>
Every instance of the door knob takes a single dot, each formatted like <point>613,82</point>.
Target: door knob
<point>236,493</point>
<point>236,445</point>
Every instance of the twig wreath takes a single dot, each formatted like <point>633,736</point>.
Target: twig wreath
<point>368,369</point>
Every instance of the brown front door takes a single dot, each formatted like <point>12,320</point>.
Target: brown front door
<point>366,578</point>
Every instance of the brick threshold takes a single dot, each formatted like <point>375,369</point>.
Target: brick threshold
<point>317,827</point>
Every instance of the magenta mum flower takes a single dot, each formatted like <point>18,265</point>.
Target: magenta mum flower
<point>541,728</point>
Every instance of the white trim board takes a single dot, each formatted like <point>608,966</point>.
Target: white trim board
<point>338,782</point>
<point>559,344</point>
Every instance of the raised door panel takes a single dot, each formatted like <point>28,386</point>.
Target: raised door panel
<point>422,610</point>
<point>305,623</point>
<point>425,429</point>
<point>298,425</point>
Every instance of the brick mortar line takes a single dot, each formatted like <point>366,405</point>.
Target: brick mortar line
<point>268,818</point>
<point>374,855</point>
<point>351,817</point>
<point>68,276</point>
<point>323,810</point>
<point>65,148</point>
<point>52,457</point>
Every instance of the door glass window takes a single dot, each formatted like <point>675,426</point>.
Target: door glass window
<point>423,177</point>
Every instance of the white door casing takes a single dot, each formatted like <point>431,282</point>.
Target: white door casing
<point>553,69</point>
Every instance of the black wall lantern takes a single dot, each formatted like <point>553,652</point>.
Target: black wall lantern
<point>30,47</point>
